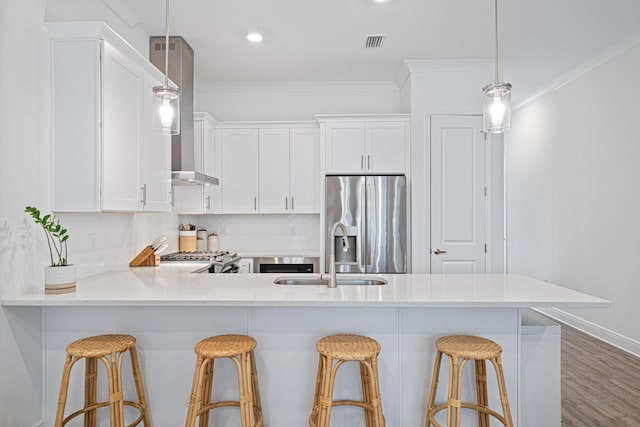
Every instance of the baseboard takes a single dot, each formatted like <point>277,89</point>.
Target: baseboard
<point>596,331</point>
<point>38,423</point>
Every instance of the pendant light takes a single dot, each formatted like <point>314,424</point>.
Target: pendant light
<point>497,97</point>
<point>166,100</point>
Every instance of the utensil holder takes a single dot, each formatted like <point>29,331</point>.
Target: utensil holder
<point>187,241</point>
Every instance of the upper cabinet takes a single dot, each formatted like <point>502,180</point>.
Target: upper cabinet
<point>368,145</point>
<point>106,157</point>
<point>270,169</point>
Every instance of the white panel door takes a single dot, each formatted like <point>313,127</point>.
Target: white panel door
<point>156,157</point>
<point>345,147</point>
<point>274,171</point>
<point>457,195</point>
<point>385,147</point>
<point>122,132</point>
<point>304,171</point>
<point>240,171</point>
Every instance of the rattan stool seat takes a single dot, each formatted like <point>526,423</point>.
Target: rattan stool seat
<point>108,349</point>
<point>238,348</point>
<point>225,345</point>
<point>461,349</point>
<point>469,347</point>
<point>100,345</point>
<point>348,347</point>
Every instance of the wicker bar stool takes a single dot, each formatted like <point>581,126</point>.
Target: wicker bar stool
<point>110,349</point>
<point>460,349</point>
<point>344,348</point>
<point>238,348</point>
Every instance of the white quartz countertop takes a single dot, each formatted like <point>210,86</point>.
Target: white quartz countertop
<point>178,286</point>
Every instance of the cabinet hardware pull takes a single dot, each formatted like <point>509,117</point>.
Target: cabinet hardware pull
<point>286,203</point>
<point>208,205</point>
<point>255,203</point>
<point>292,203</point>
<point>362,161</point>
<point>368,161</point>
<point>144,194</point>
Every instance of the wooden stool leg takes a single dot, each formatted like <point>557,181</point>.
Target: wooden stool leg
<point>90,390</point>
<point>481,393</point>
<point>325,399</point>
<point>64,387</point>
<point>255,389</point>
<point>244,385</point>
<point>455,391</point>
<point>365,379</point>
<point>316,395</point>
<point>137,378</point>
<point>502,388</point>
<point>206,390</point>
<point>377,419</point>
<point>434,388</point>
<point>196,390</point>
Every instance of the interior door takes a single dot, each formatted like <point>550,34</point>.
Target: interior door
<point>458,201</point>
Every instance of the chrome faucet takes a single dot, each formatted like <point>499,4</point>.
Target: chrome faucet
<point>332,256</point>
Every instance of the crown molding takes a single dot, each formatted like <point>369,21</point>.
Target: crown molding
<point>298,87</point>
<point>580,70</point>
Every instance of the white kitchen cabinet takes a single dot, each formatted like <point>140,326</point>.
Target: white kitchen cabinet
<point>274,170</point>
<point>202,199</point>
<point>370,147</point>
<point>240,171</point>
<point>304,169</point>
<point>105,155</point>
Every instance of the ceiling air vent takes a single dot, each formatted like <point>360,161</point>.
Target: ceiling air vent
<point>375,40</point>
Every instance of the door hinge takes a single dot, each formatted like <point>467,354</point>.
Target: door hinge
<point>430,251</point>
<point>485,192</point>
<point>485,248</point>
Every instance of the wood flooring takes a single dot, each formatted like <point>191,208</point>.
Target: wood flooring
<point>600,383</point>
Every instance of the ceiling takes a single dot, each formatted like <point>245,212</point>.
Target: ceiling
<point>317,41</point>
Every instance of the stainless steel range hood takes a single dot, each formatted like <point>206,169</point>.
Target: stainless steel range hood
<point>186,169</point>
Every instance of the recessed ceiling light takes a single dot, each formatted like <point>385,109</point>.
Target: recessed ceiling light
<point>254,36</point>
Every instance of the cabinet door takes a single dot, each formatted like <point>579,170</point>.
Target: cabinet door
<point>240,171</point>
<point>304,171</point>
<point>156,157</point>
<point>345,147</point>
<point>385,148</point>
<point>122,132</point>
<point>274,171</point>
<point>211,152</point>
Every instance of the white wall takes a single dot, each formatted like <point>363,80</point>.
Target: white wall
<point>447,87</point>
<point>98,242</point>
<point>295,101</point>
<point>573,210</point>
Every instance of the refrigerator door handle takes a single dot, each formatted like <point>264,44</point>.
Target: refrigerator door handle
<point>362,231</point>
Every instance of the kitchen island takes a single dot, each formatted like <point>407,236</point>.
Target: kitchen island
<point>169,309</point>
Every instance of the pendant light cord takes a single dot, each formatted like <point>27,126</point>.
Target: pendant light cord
<point>495,11</point>
<point>166,45</point>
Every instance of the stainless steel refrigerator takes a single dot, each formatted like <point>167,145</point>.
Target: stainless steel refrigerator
<point>373,210</point>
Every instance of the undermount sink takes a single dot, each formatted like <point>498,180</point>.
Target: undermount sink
<point>319,281</point>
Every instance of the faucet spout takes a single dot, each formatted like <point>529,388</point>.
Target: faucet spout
<point>332,255</point>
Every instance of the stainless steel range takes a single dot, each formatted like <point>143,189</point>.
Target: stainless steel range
<point>216,262</point>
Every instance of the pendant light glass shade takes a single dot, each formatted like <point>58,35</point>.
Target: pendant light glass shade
<point>166,100</point>
<point>166,110</point>
<point>497,107</point>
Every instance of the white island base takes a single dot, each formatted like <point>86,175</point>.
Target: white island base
<point>286,356</point>
<point>169,310</point>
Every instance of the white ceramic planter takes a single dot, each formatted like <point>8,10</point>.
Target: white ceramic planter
<point>59,280</point>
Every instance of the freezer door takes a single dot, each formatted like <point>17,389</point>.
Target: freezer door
<point>344,202</point>
<point>386,224</point>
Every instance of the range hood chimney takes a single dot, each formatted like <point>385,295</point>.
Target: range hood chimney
<point>184,170</point>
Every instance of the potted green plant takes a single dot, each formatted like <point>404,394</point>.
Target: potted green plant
<point>59,276</point>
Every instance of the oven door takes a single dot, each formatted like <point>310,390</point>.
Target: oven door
<point>286,264</point>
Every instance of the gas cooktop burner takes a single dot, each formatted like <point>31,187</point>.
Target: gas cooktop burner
<point>223,257</point>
